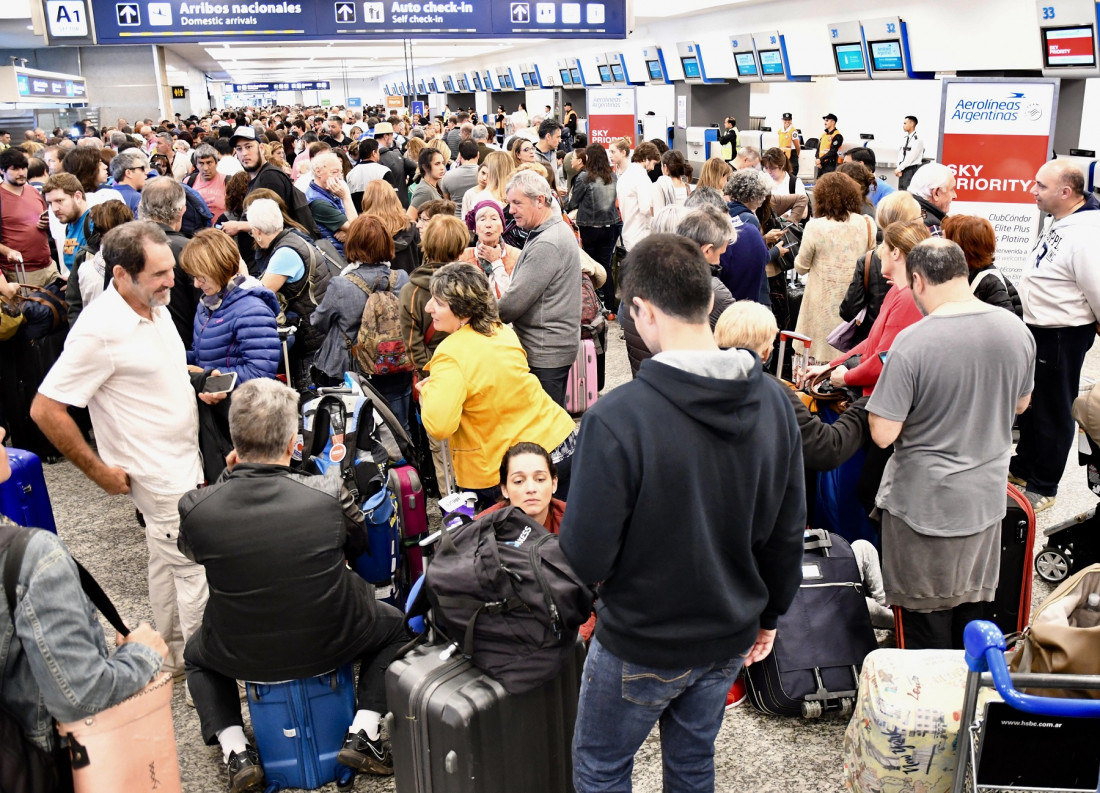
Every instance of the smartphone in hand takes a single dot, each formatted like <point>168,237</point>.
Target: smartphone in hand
<point>220,383</point>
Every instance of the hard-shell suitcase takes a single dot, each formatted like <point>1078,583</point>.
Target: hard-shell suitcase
<point>24,498</point>
<point>1012,601</point>
<point>300,727</point>
<point>453,728</point>
<point>412,507</point>
<point>580,388</point>
<point>821,641</point>
<point>1011,607</point>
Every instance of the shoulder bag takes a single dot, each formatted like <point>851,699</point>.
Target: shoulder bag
<point>843,336</point>
<point>131,746</point>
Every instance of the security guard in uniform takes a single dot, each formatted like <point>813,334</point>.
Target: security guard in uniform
<point>828,149</point>
<point>790,141</point>
<point>729,138</point>
<point>910,153</point>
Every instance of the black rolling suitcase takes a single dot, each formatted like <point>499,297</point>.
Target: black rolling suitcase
<point>822,639</point>
<point>23,366</point>
<point>455,729</point>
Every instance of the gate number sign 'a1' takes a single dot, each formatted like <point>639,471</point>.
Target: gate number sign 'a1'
<point>67,18</point>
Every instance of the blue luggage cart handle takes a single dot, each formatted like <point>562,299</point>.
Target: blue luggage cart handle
<point>985,652</point>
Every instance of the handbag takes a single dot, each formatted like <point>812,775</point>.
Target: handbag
<point>1064,635</point>
<point>130,746</point>
<point>843,336</point>
<point>618,256</point>
<point>11,319</point>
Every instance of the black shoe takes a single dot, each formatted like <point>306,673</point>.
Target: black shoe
<point>363,754</point>
<point>140,518</point>
<point>245,771</point>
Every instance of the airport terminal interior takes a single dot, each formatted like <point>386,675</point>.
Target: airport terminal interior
<point>993,89</point>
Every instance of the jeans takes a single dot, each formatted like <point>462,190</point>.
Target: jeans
<point>217,699</point>
<point>619,704</point>
<point>1046,427</point>
<point>553,380</point>
<point>599,243</point>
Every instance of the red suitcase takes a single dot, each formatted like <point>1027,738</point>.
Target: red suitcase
<point>412,505</point>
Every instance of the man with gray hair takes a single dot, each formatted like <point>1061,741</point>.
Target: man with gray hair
<point>284,605</point>
<point>163,202</point>
<point>747,157</point>
<point>481,138</point>
<point>933,185</point>
<point>330,199</point>
<point>543,303</point>
<point>947,409</point>
<point>124,361</point>
<point>130,169</point>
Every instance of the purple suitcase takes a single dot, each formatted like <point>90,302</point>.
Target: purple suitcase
<point>580,388</point>
<point>24,498</point>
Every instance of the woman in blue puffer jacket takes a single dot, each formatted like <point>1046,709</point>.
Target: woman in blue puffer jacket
<point>235,326</point>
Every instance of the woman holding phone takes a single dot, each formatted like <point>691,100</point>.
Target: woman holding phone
<point>235,329</point>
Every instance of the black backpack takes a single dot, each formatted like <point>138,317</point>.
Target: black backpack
<point>501,588</point>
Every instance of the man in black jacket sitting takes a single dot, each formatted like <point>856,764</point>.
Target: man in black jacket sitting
<point>283,603</point>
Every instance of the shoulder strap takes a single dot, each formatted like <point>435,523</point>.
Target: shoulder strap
<point>192,178</point>
<point>790,183</point>
<point>14,562</point>
<point>359,282</point>
<point>867,271</point>
<point>978,279</point>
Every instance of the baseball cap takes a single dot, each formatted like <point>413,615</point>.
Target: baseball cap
<point>829,117</point>
<point>787,117</point>
<point>248,133</point>
<point>383,128</point>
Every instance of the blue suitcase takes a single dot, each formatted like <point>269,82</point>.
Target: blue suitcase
<point>300,727</point>
<point>24,498</point>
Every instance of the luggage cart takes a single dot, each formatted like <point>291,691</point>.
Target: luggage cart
<point>985,659</point>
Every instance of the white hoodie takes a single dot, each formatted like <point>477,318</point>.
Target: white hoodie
<point>1060,287</point>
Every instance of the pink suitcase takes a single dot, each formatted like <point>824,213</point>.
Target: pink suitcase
<point>412,504</point>
<point>580,388</point>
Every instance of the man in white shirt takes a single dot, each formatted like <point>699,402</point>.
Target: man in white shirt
<point>910,153</point>
<point>125,362</point>
<point>635,192</point>
<point>367,170</point>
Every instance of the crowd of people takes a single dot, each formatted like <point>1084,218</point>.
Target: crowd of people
<point>458,264</point>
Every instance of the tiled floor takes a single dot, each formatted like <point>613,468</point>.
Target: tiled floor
<point>753,752</point>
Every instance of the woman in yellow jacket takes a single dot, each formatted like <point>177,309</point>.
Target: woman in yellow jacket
<point>480,392</point>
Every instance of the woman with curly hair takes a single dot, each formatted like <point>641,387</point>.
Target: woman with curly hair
<point>832,241</point>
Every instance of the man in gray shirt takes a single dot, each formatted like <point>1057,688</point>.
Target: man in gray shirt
<point>946,400</point>
<point>463,177</point>
<point>543,302</point>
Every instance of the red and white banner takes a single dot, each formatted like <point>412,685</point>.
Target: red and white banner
<point>995,136</point>
<point>612,115</point>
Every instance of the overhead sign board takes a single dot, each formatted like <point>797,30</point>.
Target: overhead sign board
<point>256,88</point>
<point>179,92</point>
<point>145,22</point>
<point>30,85</point>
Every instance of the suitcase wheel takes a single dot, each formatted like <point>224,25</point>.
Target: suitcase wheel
<point>346,779</point>
<point>811,710</point>
<point>1054,564</point>
<point>846,706</point>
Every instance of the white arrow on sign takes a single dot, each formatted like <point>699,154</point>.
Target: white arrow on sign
<point>128,14</point>
<point>345,12</point>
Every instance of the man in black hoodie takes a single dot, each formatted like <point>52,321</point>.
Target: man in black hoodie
<point>689,508</point>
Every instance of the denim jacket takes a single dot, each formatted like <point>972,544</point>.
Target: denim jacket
<point>56,666</point>
<point>594,201</point>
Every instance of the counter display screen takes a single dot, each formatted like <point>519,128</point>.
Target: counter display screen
<point>605,73</point>
<point>746,64</point>
<point>526,80</point>
<point>771,62</point>
<point>655,70</point>
<point>1071,46</point>
<point>691,67</point>
<point>618,73</point>
<point>849,58</point>
<point>565,79</point>
<point>886,56</point>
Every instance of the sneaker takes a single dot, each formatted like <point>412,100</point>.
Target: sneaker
<point>1039,503</point>
<point>737,693</point>
<point>1015,480</point>
<point>363,754</point>
<point>245,771</point>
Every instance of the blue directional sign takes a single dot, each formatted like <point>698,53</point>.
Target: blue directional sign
<point>157,22</point>
<point>257,88</point>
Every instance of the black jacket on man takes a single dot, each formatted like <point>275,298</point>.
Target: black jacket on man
<point>283,603</point>
<point>692,484</point>
<point>183,301</point>
<point>931,215</point>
